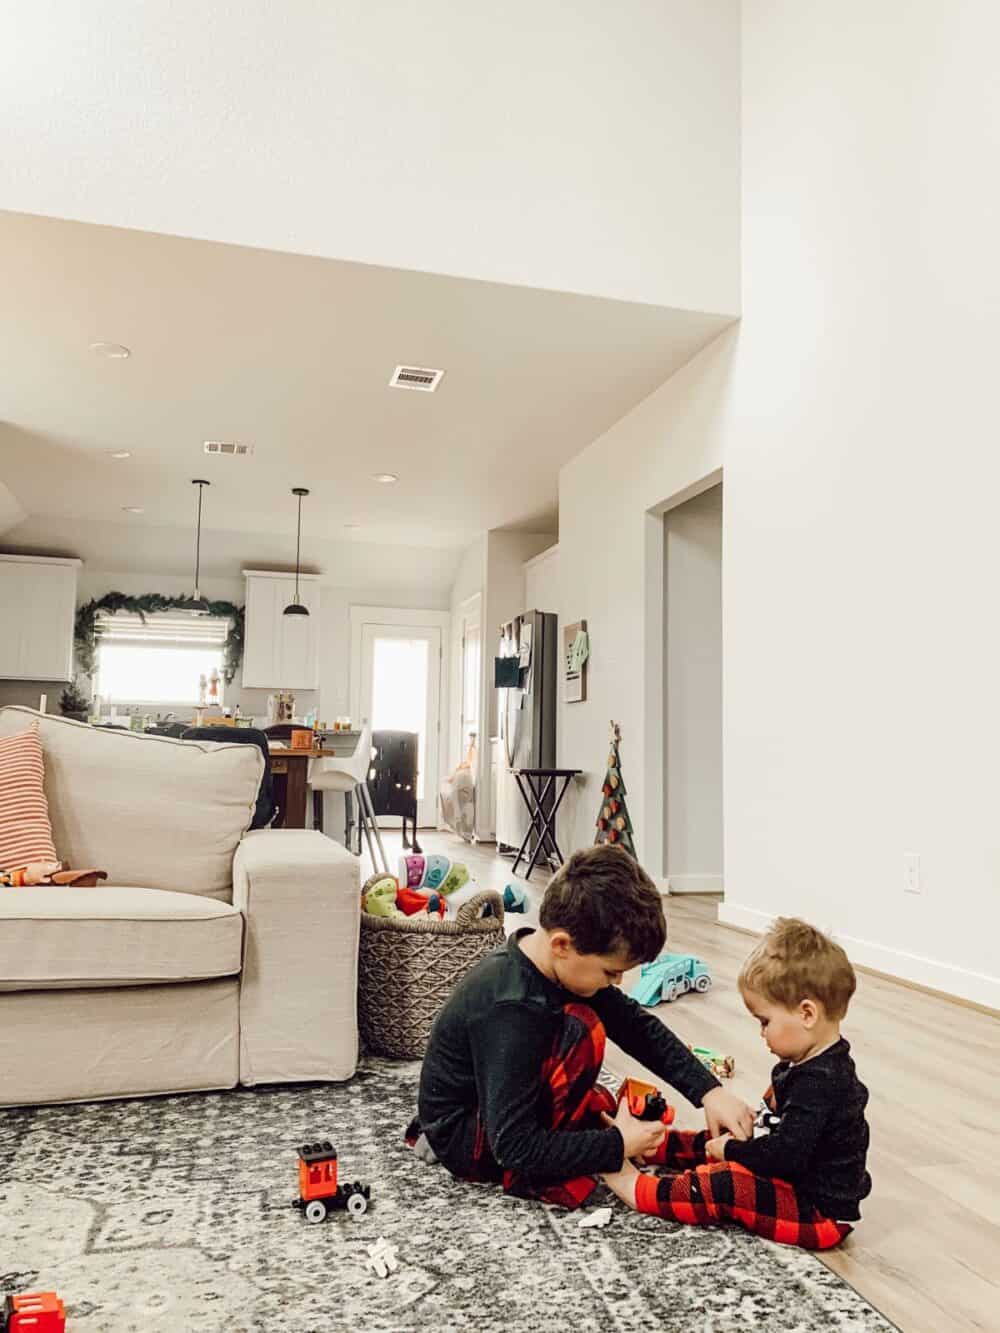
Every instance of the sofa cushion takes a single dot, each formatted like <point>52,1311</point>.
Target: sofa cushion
<point>57,937</point>
<point>152,811</point>
<point>25,832</point>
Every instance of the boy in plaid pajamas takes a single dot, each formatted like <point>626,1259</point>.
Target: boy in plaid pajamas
<point>802,1176</point>
<point>508,1087</point>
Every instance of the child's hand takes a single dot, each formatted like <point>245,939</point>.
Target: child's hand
<point>640,1136</point>
<point>622,1182</point>
<point>715,1149</point>
<point>723,1112</point>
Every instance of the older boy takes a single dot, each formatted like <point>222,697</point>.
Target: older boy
<point>801,1178</point>
<point>508,1086</point>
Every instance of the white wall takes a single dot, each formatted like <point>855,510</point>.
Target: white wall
<point>585,148</point>
<point>611,575</point>
<point>11,512</point>
<point>541,581</point>
<point>853,413</point>
<point>692,836</point>
<point>470,581</point>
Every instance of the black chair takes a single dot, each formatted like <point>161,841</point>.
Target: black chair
<point>265,811</point>
<point>282,731</point>
<point>393,783</point>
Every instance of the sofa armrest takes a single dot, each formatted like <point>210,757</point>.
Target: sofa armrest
<point>300,895</point>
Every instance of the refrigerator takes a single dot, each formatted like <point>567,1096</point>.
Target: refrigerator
<point>525,676</point>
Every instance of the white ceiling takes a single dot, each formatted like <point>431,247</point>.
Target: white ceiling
<point>292,354</point>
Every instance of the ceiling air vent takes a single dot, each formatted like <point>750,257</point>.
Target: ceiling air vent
<point>416,377</point>
<point>228,447</point>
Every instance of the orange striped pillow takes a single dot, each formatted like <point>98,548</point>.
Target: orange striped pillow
<point>25,831</point>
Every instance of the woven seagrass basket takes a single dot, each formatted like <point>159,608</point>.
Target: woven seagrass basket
<point>408,966</point>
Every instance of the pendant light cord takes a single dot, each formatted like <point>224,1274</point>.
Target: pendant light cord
<point>298,550</point>
<point>197,548</point>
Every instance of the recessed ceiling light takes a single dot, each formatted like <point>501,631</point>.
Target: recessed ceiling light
<point>386,478</point>
<point>119,453</point>
<point>114,351</point>
<point>133,509</point>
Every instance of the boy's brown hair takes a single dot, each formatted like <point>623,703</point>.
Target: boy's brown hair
<point>795,961</point>
<point>606,903</point>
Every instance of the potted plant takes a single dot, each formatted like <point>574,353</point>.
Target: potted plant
<point>74,703</point>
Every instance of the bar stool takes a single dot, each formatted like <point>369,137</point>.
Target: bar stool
<point>350,776</point>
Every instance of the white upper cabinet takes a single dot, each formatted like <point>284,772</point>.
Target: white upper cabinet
<point>37,613</point>
<point>280,652</point>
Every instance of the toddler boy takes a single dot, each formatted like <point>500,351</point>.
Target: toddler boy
<point>801,1177</point>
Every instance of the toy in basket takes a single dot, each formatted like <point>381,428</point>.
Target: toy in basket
<point>408,965</point>
<point>434,884</point>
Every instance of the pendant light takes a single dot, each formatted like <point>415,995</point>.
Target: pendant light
<point>296,608</point>
<point>198,603</point>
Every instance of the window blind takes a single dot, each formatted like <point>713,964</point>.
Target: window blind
<point>164,629</point>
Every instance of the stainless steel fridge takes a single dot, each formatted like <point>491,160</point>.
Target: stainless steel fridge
<point>525,676</point>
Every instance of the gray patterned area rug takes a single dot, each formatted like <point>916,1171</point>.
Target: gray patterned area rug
<point>174,1214</point>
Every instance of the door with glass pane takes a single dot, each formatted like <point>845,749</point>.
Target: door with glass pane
<point>400,691</point>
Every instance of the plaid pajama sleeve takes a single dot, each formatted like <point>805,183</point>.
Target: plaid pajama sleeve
<point>712,1193</point>
<point>569,1099</point>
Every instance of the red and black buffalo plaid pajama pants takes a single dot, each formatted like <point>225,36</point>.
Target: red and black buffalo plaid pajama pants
<point>568,1099</point>
<point>704,1193</point>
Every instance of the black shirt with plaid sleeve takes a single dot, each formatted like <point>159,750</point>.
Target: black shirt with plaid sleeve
<point>486,1053</point>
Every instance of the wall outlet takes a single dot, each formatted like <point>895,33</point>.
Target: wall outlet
<point>911,872</point>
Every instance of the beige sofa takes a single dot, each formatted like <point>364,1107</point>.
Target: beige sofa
<point>210,957</point>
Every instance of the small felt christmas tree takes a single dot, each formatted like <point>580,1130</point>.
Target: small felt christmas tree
<point>613,822</point>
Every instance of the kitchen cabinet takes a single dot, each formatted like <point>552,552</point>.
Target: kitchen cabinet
<point>37,613</point>
<point>280,652</point>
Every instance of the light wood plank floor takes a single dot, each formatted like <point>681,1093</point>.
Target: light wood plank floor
<point>928,1251</point>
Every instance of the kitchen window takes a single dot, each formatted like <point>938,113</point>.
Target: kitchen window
<point>160,661</point>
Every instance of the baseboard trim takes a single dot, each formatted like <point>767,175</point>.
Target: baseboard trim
<point>694,883</point>
<point>976,990</point>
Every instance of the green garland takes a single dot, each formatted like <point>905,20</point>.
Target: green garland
<point>85,634</point>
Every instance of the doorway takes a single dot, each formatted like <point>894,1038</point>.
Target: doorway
<point>396,683</point>
<point>692,702</point>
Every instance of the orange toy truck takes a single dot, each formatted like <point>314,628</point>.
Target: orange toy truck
<point>319,1193</point>
<point>34,1312</point>
<point>645,1101</point>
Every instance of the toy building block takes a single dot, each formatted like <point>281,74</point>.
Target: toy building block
<point>319,1193</point>
<point>382,1258</point>
<point>722,1066</point>
<point>34,1312</point>
<point>668,976</point>
<point>646,1101</point>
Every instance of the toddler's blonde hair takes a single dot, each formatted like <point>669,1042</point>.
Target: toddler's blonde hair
<point>795,961</point>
